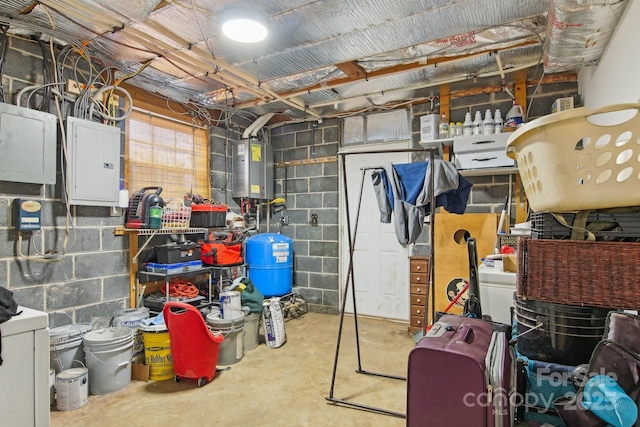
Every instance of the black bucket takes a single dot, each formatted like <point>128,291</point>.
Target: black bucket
<point>558,333</point>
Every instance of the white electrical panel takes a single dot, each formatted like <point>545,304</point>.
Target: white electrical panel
<point>27,145</point>
<point>93,166</point>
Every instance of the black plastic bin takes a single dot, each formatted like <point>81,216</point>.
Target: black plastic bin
<point>566,334</point>
<point>177,252</point>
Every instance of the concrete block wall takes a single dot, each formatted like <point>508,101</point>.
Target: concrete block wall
<point>310,188</point>
<point>92,279</point>
<point>314,187</point>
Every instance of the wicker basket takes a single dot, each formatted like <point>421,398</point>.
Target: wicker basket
<point>572,272</point>
<point>176,215</point>
<point>568,163</point>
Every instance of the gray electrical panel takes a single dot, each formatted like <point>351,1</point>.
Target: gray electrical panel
<point>252,170</point>
<point>27,145</point>
<point>93,163</point>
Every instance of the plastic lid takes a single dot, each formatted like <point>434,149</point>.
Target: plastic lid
<point>208,207</point>
<point>161,327</point>
<point>63,333</point>
<point>69,374</point>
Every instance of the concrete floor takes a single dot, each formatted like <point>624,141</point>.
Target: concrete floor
<point>286,386</point>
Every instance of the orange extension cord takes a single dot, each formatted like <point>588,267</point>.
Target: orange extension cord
<point>181,288</point>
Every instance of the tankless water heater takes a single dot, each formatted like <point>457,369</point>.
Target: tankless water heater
<point>252,170</point>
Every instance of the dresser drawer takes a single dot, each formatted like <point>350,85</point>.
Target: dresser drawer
<point>418,278</point>
<point>417,310</point>
<point>417,299</point>
<point>419,265</point>
<point>416,321</point>
<point>480,143</point>
<point>418,289</point>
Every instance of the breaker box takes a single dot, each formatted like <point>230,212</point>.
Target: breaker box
<point>93,167</point>
<point>27,145</point>
<point>252,170</point>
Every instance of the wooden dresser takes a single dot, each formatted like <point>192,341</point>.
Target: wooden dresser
<point>418,282</point>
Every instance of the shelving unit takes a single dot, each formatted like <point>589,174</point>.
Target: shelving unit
<point>449,143</point>
<point>149,276</point>
<point>227,272</point>
<point>135,249</point>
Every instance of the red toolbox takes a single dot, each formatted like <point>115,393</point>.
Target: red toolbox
<point>208,215</point>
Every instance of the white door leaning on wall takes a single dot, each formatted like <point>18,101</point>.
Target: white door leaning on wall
<point>380,264</point>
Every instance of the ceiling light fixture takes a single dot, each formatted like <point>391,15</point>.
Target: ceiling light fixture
<point>244,30</point>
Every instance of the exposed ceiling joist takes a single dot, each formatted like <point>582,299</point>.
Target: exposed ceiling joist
<point>353,70</point>
<point>321,58</point>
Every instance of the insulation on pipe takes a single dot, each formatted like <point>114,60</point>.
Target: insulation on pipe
<point>578,32</point>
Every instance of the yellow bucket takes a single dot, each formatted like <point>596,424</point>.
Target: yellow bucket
<point>157,352</point>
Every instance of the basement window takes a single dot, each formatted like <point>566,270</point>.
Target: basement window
<point>371,128</point>
<point>167,153</point>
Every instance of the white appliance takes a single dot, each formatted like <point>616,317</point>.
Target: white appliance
<point>496,292</point>
<point>24,373</point>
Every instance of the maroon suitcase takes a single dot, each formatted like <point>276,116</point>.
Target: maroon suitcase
<point>460,375</point>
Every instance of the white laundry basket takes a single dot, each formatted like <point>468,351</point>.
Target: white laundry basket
<point>572,161</point>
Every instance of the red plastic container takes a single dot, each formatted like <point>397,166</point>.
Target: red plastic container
<point>194,348</point>
<point>208,215</point>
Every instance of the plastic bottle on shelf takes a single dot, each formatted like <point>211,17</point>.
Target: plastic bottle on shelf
<point>477,124</point>
<point>515,116</point>
<point>443,129</point>
<point>452,130</point>
<point>487,123</point>
<point>497,122</point>
<point>155,217</point>
<point>467,126</point>
<point>459,129</point>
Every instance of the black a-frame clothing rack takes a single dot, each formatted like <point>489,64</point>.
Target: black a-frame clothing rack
<point>350,281</point>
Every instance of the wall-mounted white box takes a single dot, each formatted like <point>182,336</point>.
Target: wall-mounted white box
<point>562,104</point>
<point>93,163</point>
<point>27,145</point>
<point>429,127</point>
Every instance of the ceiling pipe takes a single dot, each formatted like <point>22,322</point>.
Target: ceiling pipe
<point>253,128</point>
<point>420,86</point>
<point>499,62</point>
<point>376,74</point>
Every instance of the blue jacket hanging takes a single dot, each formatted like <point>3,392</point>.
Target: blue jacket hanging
<point>404,190</point>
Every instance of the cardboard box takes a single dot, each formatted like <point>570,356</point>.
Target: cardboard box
<point>562,104</point>
<point>140,371</point>
<point>429,127</point>
<point>510,263</point>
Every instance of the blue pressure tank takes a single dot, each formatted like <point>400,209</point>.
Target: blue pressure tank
<point>269,259</point>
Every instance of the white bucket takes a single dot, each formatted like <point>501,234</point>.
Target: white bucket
<point>71,388</point>
<point>66,345</point>
<point>233,330</point>
<point>52,387</point>
<point>251,331</point>
<point>132,318</point>
<point>108,352</point>
<point>230,304</point>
